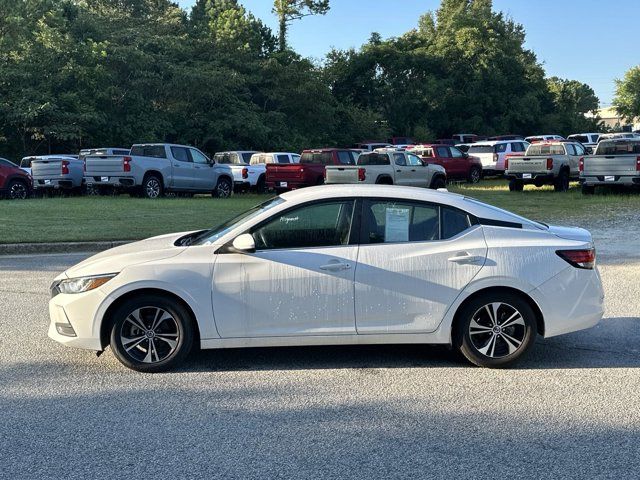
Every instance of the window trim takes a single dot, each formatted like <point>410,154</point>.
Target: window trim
<point>353,233</point>
<point>364,238</point>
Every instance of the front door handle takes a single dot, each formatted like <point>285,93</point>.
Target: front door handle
<point>335,266</point>
<point>465,258</point>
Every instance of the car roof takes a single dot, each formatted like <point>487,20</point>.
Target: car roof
<point>468,204</point>
<point>326,149</point>
<point>276,153</point>
<point>491,143</point>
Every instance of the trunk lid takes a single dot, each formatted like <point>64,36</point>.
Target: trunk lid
<point>46,168</point>
<point>519,164</point>
<point>103,165</point>
<point>610,165</point>
<point>284,172</point>
<point>346,174</point>
<point>572,233</point>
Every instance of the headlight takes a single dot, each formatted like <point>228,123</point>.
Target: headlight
<point>82,284</point>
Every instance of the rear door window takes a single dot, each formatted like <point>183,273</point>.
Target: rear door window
<point>156,151</point>
<point>501,147</point>
<point>373,158</point>
<point>181,154</point>
<point>398,159</point>
<point>390,221</point>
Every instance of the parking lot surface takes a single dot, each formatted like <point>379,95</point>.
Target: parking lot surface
<point>571,409</point>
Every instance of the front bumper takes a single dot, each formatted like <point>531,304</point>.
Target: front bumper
<point>73,319</point>
<point>623,180</point>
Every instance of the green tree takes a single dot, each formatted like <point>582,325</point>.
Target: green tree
<point>627,97</point>
<point>574,107</point>
<point>290,10</point>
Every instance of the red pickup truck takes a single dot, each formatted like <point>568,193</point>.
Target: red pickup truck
<point>458,164</point>
<point>310,170</point>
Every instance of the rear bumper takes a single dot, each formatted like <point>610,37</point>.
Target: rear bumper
<point>535,177</point>
<point>624,180</point>
<point>119,181</point>
<point>55,183</point>
<point>286,184</point>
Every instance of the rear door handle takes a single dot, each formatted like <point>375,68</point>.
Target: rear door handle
<point>335,266</point>
<point>465,258</point>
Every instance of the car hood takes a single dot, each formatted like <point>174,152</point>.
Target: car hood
<point>571,233</point>
<point>115,259</point>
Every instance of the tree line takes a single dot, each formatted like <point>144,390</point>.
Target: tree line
<point>88,73</point>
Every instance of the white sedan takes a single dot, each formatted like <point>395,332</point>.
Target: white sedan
<point>334,265</point>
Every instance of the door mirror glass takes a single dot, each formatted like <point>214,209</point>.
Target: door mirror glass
<point>244,243</point>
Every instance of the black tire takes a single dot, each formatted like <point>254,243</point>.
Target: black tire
<point>320,181</point>
<point>224,188</point>
<point>384,181</point>
<point>516,185</point>
<point>438,182</point>
<point>491,345</point>
<point>261,186</point>
<point>588,189</point>
<point>561,184</point>
<point>152,187</point>
<point>171,339</point>
<point>475,175</point>
<point>17,190</point>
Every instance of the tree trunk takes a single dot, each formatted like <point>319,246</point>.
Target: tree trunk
<point>282,33</point>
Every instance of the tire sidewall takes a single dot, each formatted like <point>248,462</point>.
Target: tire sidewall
<point>12,184</point>
<point>461,337</point>
<point>148,180</point>
<point>216,192</point>
<point>185,329</point>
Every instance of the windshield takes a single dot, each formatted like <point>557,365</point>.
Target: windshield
<point>481,149</point>
<point>208,237</point>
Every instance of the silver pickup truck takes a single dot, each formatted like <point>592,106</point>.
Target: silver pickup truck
<point>56,172</point>
<point>549,163</point>
<point>388,167</point>
<point>616,163</point>
<point>151,169</point>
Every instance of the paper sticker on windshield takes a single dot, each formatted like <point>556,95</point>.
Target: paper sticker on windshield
<point>396,227</point>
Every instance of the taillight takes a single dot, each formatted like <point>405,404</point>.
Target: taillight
<point>506,164</point>
<point>638,163</point>
<point>549,163</point>
<point>581,165</point>
<point>65,167</point>
<point>579,258</point>
<point>245,173</point>
<point>495,157</point>
<point>362,174</point>
<point>126,164</point>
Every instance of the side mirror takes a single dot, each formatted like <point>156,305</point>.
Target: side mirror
<point>244,243</point>
<point>465,154</point>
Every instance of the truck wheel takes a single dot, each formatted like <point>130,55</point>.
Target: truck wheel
<point>223,189</point>
<point>152,187</point>
<point>320,181</point>
<point>562,182</point>
<point>260,185</point>
<point>516,185</point>
<point>588,189</point>
<point>438,182</point>
<point>475,174</point>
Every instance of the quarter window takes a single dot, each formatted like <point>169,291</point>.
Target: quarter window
<point>454,221</point>
<point>318,225</point>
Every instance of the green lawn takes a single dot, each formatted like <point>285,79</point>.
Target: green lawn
<point>126,218</point>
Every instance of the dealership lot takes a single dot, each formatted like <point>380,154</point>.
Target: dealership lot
<point>570,409</point>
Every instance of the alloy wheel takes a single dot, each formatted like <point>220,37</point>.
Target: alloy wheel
<point>149,334</point>
<point>152,188</point>
<point>224,189</point>
<point>497,329</point>
<point>18,191</point>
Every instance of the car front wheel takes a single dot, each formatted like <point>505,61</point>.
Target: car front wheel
<point>18,190</point>
<point>223,189</point>
<point>475,174</point>
<point>151,333</point>
<point>495,330</point>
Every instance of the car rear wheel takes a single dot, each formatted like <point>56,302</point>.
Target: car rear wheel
<point>438,182</point>
<point>152,187</point>
<point>588,189</point>
<point>475,174</point>
<point>260,185</point>
<point>18,190</point>
<point>562,182</point>
<point>223,189</point>
<point>516,185</point>
<point>495,330</point>
<point>151,333</point>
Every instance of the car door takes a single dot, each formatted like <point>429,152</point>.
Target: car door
<point>204,175</point>
<point>182,169</point>
<point>575,152</point>
<point>414,260</point>
<point>419,171</point>
<point>403,174</point>
<point>459,163</point>
<point>444,158</point>
<point>300,279</point>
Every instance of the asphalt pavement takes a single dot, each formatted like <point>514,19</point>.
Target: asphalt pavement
<point>570,410</point>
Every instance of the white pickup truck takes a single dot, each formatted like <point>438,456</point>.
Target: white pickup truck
<point>616,163</point>
<point>388,167</point>
<point>551,163</point>
<point>151,169</point>
<point>238,162</point>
